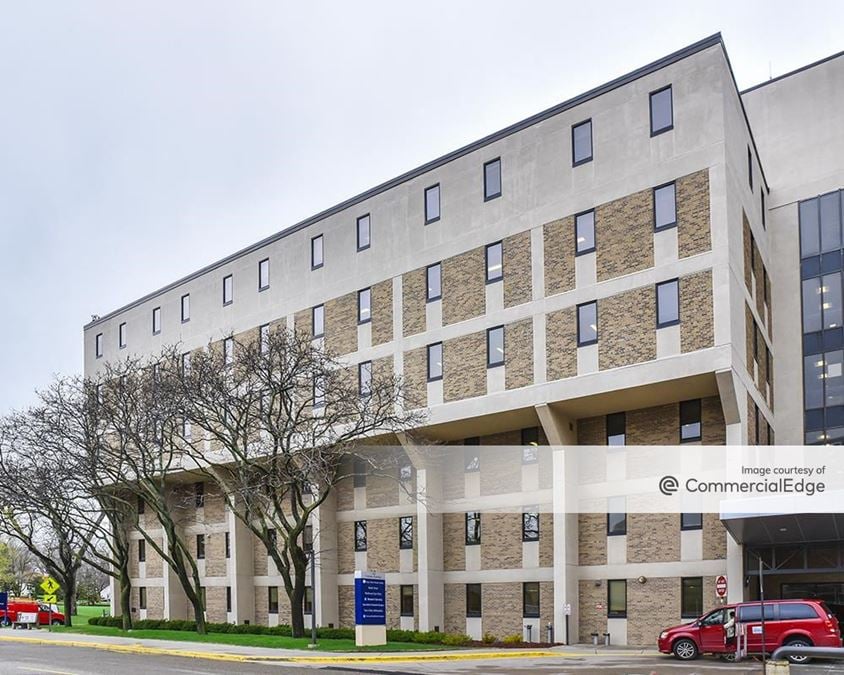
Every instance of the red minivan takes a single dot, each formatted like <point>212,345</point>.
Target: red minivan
<point>10,616</point>
<point>787,622</point>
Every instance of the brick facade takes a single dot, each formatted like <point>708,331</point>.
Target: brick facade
<point>627,328</point>
<point>653,537</point>
<point>561,344</point>
<point>501,546</point>
<point>415,377</point>
<point>558,237</point>
<point>697,323</point>
<point>454,541</point>
<point>518,341</point>
<point>517,270</point>
<point>464,367</point>
<point>624,235</point>
<point>693,228</point>
<point>463,286</point>
<point>414,292</point>
<point>341,324</point>
<point>382,312</point>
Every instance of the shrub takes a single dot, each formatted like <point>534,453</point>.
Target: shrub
<point>428,638</point>
<point>456,640</point>
<point>512,640</point>
<point>489,638</point>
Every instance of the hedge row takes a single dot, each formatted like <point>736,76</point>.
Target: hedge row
<point>428,638</point>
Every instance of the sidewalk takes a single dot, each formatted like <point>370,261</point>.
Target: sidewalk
<point>224,652</point>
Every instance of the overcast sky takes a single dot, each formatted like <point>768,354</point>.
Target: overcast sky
<point>141,141</point>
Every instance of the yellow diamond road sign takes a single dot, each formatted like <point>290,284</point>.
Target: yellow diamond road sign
<point>49,586</point>
<point>49,599</point>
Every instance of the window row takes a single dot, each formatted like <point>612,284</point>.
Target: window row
<point>472,453</point>
<point>690,428</point>
<point>691,598</point>
<point>530,600</point>
<point>405,534</point>
<point>617,518</point>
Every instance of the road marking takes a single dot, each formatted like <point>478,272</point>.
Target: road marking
<point>44,670</point>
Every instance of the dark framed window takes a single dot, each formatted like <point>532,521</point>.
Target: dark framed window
<point>616,516</point>
<point>581,143</point>
<point>317,252</point>
<point>272,599</point>
<point>406,532</point>
<point>691,521</point>
<point>142,550</point>
<point>186,363</point>
<point>203,597</point>
<point>668,303</point>
<point>530,526</point>
<point>433,279</point>
<point>473,528</point>
<point>228,598</point>
<point>228,351</point>
<point>691,597</point>
<point>264,274</point>
<point>617,598</point>
<point>432,204</point>
<point>473,600</point>
<point>228,545</point>
<point>308,538</point>
<point>200,547</point>
<point>121,335</point>
<point>495,347</point>
<point>530,442</point>
<point>690,421</point>
<point>318,321</point>
<point>662,110</point>
<point>98,345</point>
<point>616,428</point>
<point>587,324</point>
<point>359,473</point>
<point>199,494</point>
<point>142,505</point>
<point>308,600</point>
<point>364,305</point>
<point>665,207</point>
<point>185,306</point>
<point>750,167</point>
<point>363,233</point>
<point>156,320</point>
<point>530,600</point>
<point>471,457</point>
<point>264,337</point>
<point>360,535</point>
<point>494,257</point>
<point>142,597</point>
<point>406,600</point>
<point>584,232</point>
<point>365,378</point>
<point>435,361</point>
<point>492,179</point>
<point>228,289</point>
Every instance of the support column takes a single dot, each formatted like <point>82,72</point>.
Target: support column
<point>241,570</point>
<point>325,545</point>
<point>175,600</point>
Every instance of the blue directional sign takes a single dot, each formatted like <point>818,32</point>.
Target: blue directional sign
<point>370,599</point>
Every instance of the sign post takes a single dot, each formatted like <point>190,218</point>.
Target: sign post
<point>370,608</point>
<point>49,586</point>
<point>721,586</point>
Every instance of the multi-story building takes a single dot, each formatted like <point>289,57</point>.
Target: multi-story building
<point>622,268</point>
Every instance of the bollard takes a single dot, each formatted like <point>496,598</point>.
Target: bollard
<point>606,639</point>
<point>529,631</point>
<point>549,631</point>
<point>594,639</point>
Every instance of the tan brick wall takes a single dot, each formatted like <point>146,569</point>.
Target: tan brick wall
<point>454,482</point>
<point>215,554</point>
<point>501,541</point>
<point>346,606</point>
<point>464,286</point>
<point>415,377</point>
<point>454,541</point>
<point>464,367</point>
<point>546,539</point>
<point>659,425</point>
<point>561,344</point>
<point>345,491</point>
<point>653,537</point>
<point>592,431</point>
<point>761,273</point>
<point>414,291</point>
<point>714,538</point>
<point>749,329</point>
<point>260,557</point>
<point>714,430</point>
<point>624,235</point>
<point>382,544</point>
<point>501,605</point>
<point>454,608</point>
<point>302,322</point>
<point>393,607</point>
<point>215,598</point>
<point>215,505</point>
<point>693,232</point>
<point>644,620</point>
<point>751,421</point>
<point>517,272</point>
<point>134,544</point>
<point>627,328</point>
<point>155,563</point>
<point>382,489</point>
<point>592,605</point>
<point>155,602</point>
<point>346,547</point>
<point>382,312</point>
<point>592,538</point>
<point>558,237</point>
<point>498,466</point>
<point>518,351</point>
<point>341,324</point>
<point>747,248</point>
<point>697,325</point>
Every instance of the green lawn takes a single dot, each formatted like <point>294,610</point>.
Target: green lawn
<point>272,641</point>
<point>87,611</point>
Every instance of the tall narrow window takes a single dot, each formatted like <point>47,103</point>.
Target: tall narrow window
<point>750,167</point>
<point>121,335</point>
<point>272,599</point>
<point>690,427</point>
<point>156,321</point>
<point>142,506</point>
<point>668,303</point>
<point>363,232</point>
<point>228,289</point>
<point>317,253</point>
<point>365,378</point>
<point>473,528</point>
<point>617,598</point>
<point>435,362</point>
<point>142,597</point>
<point>530,526</point>
<point>228,598</point>
<point>406,603</point>
<point>432,204</point>
<point>616,516</point>
<point>228,546</point>
<point>433,277</point>
<point>581,143</point>
<point>360,535</point>
<point>587,324</point>
<point>530,600</point>
<point>200,547</point>
<point>264,274</point>
<point>662,111</point>
<point>186,308</point>
<point>98,345</point>
<point>406,532</point>
<point>185,364</point>
<point>495,347</point>
<point>142,550</point>
<point>530,444</point>
<point>473,600</point>
<point>264,337</point>
<point>199,494</point>
<point>365,305</point>
<point>494,262</point>
<point>691,597</point>
<point>228,351</point>
<point>665,207</point>
<point>492,179</point>
<point>308,600</point>
<point>691,521</point>
<point>318,321</point>
<point>584,233</point>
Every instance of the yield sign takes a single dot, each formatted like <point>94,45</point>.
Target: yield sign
<point>49,585</point>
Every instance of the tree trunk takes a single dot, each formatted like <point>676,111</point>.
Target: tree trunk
<point>69,594</point>
<point>297,601</point>
<point>126,598</point>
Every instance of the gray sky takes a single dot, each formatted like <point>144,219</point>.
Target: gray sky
<point>140,141</point>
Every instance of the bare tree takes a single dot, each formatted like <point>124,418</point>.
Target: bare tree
<point>19,567</point>
<point>276,416</point>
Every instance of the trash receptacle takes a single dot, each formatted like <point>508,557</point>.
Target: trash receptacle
<point>606,639</point>
<point>594,639</point>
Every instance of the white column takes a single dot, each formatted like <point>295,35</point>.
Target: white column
<point>325,545</point>
<point>430,551</point>
<point>241,570</point>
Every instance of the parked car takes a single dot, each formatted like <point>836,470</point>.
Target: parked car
<point>787,622</point>
<point>10,615</point>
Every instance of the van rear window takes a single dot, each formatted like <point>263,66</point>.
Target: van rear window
<point>797,610</point>
<point>749,613</point>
